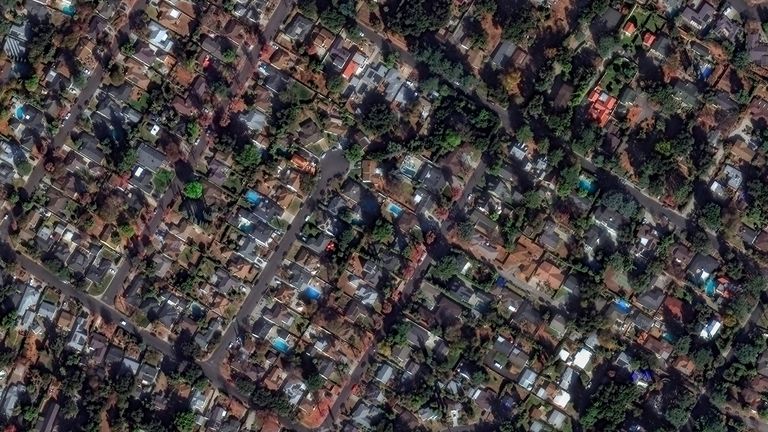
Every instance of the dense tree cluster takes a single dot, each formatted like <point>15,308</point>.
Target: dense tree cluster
<point>416,17</point>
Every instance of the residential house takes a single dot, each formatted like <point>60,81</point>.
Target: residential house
<point>698,19</point>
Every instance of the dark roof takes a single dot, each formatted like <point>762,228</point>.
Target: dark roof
<point>149,157</point>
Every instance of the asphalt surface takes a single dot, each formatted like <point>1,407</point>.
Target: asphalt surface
<point>331,165</point>
<point>408,290</point>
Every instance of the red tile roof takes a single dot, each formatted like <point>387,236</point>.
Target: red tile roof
<point>601,106</point>
<point>350,70</point>
<point>648,39</point>
<point>629,27</point>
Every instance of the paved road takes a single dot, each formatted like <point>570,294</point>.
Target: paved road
<point>331,165</point>
<point>86,94</point>
<point>391,318</point>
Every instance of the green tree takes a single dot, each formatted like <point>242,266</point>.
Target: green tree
<point>354,153</point>
<point>378,119</point>
<point>32,83</point>
<point>710,216</point>
<point>128,49</point>
<point>335,84</point>
<point>185,421</point>
<point>229,56</point>
<point>249,157</point>
<point>193,190</point>
<point>446,268</point>
<point>162,179</point>
<point>193,131</point>
<point>24,168</point>
<point>416,17</point>
<point>383,233</point>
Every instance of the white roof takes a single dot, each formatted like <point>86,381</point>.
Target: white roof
<point>582,358</point>
<point>563,354</point>
<point>561,399</point>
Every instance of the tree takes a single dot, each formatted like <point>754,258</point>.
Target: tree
<point>162,179</point>
<point>445,269</point>
<point>710,217</point>
<point>510,80</point>
<point>24,168</point>
<point>378,119</point>
<point>383,233</point>
<point>354,153</point>
<point>609,406</point>
<point>333,19</point>
<point>516,22</point>
<point>185,421</point>
<point>248,158</point>
<point>193,190</point>
<point>31,84</point>
<point>524,134</point>
<point>335,84</point>
<point>117,75</point>
<point>229,55</point>
<point>128,49</point>
<point>193,131</point>
<point>415,17</point>
<point>606,45</point>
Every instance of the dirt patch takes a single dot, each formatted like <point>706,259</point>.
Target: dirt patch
<point>558,15</point>
<point>492,30</point>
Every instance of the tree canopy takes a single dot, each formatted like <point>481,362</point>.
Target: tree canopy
<point>416,17</point>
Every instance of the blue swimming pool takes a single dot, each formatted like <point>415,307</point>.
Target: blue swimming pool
<point>705,71</point>
<point>709,287</point>
<point>623,305</point>
<point>395,209</point>
<point>69,10</point>
<point>281,345</point>
<point>313,293</point>
<point>253,197</point>
<point>587,185</point>
<point>19,113</point>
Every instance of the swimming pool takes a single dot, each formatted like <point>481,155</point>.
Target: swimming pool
<point>19,113</point>
<point>69,10</point>
<point>245,225</point>
<point>709,287</point>
<point>705,71</point>
<point>623,305</point>
<point>587,185</point>
<point>281,345</point>
<point>253,197</point>
<point>313,293</point>
<point>395,209</point>
<point>196,312</point>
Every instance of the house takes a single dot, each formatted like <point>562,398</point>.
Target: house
<point>610,220</point>
<point>758,51</point>
<point>254,120</point>
<point>651,300</point>
<point>702,267</point>
<point>629,28</point>
<point>733,176</point>
<point>384,374</point>
<point>660,48</point>
<point>661,348</point>
<point>698,19</point>
<point>299,27</point>
<point>549,275</point>
<point>320,41</point>
<point>502,54</point>
<point>710,329</point>
<point>686,94</point>
<point>601,106</point>
<point>727,29</point>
